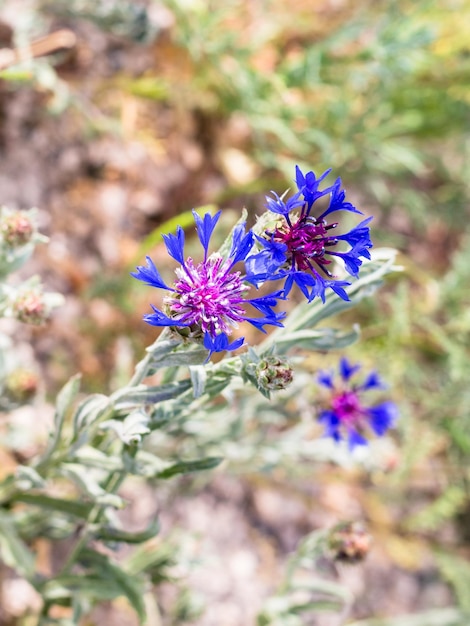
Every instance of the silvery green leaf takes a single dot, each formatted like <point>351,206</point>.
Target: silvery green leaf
<point>117,535</point>
<point>435,617</point>
<point>149,464</point>
<point>131,397</point>
<point>70,507</point>
<point>27,478</point>
<point>103,581</point>
<point>308,314</point>
<point>89,411</point>
<point>113,574</point>
<point>92,457</point>
<point>181,358</point>
<point>131,429</point>
<point>84,479</point>
<point>64,405</point>
<point>13,550</point>
<point>188,467</point>
<point>134,427</point>
<point>198,374</point>
<point>324,339</point>
<point>159,348</point>
<point>111,499</point>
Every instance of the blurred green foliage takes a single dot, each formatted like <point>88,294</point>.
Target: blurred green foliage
<point>380,92</point>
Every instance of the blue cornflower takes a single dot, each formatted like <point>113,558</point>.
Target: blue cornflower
<point>346,417</point>
<point>208,299</point>
<point>301,247</point>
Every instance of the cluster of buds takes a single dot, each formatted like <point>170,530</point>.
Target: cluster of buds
<point>274,373</point>
<point>29,306</point>
<point>21,385</point>
<point>269,372</point>
<point>349,542</point>
<point>16,227</point>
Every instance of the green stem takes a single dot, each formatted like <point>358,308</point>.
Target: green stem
<point>141,369</point>
<point>111,485</point>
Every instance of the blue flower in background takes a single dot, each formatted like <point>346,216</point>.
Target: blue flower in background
<point>302,247</point>
<point>347,417</point>
<point>208,299</point>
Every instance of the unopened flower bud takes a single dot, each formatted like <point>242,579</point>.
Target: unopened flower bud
<point>349,542</point>
<point>16,228</point>
<point>274,373</point>
<point>21,385</point>
<point>30,307</point>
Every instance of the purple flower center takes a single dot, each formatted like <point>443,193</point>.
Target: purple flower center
<point>347,406</point>
<point>307,241</point>
<point>208,296</point>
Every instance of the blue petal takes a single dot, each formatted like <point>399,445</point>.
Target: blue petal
<point>281,207</point>
<point>241,244</point>
<point>220,343</point>
<point>308,185</point>
<point>260,268</point>
<point>382,417</point>
<point>373,381</point>
<point>332,424</point>
<point>265,265</point>
<point>337,201</point>
<point>360,233</point>
<point>266,303</point>
<point>351,261</point>
<point>150,275</point>
<point>175,245</point>
<point>274,319</point>
<point>205,227</point>
<point>318,289</point>
<point>337,287</point>
<point>302,280</point>
<point>157,318</point>
<point>326,379</point>
<point>355,439</point>
<point>347,370</point>
<point>276,249</point>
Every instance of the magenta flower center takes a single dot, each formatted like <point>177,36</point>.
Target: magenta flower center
<point>306,241</point>
<point>208,296</point>
<point>347,406</point>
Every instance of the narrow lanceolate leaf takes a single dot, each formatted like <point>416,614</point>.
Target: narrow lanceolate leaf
<point>129,586</point>
<point>13,550</point>
<point>134,397</point>
<point>83,478</point>
<point>324,339</point>
<point>130,430</point>
<point>188,467</point>
<point>64,405</point>
<point>92,457</point>
<point>436,617</point>
<point>117,535</point>
<point>178,359</point>
<point>70,507</point>
<point>309,314</point>
<point>198,375</point>
<point>89,411</point>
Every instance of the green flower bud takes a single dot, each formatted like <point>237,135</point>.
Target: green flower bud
<point>30,307</point>
<point>21,385</point>
<point>273,373</point>
<point>349,542</point>
<point>16,228</point>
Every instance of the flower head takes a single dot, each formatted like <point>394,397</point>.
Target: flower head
<point>16,227</point>
<point>302,246</point>
<point>208,299</point>
<point>346,416</point>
